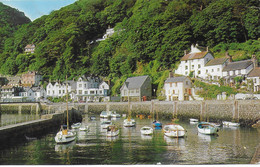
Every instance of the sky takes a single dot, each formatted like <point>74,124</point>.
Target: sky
<point>37,8</point>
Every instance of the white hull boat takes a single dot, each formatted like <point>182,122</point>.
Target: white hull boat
<point>193,120</point>
<point>207,128</point>
<point>112,131</point>
<point>83,128</point>
<point>105,114</point>
<point>115,115</point>
<point>174,130</point>
<point>105,124</point>
<point>76,125</point>
<point>129,122</point>
<point>65,136</point>
<point>146,130</point>
<point>226,123</point>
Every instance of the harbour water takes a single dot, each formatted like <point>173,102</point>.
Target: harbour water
<point>230,146</point>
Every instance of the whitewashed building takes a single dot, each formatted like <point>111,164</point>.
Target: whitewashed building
<point>56,89</point>
<point>254,75</point>
<point>214,68</point>
<point>92,89</point>
<point>178,88</point>
<point>30,48</point>
<point>194,62</point>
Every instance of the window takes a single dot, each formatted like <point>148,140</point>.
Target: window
<point>59,91</point>
<point>92,92</point>
<point>63,91</point>
<point>132,91</point>
<point>186,73</point>
<point>186,67</point>
<point>212,70</point>
<point>173,91</point>
<point>207,71</point>
<point>192,66</point>
<point>187,82</point>
<point>80,85</point>
<point>85,85</point>
<point>125,92</point>
<point>218,69</point>
<point>137,90</point>
<point>198,72</point>
<point>86,92</point>
<point>80,92</point>
<point>198,65</point>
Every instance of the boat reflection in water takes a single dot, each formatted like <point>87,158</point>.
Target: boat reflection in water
<point>112,138</point>
<point>82,135</point>
<point>65,147</point>
<point>174,141</point>
<point>206,138</point>
<point>158,128</point>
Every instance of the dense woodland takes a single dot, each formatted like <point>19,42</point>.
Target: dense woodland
<point>150,37</point>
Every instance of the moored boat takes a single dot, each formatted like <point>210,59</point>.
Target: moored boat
<point>105,114</point>
<point>129,122</point>
<point>115,115</point>
<point>76,125</point>
<point>112,131</point>
<point>207,128</point>
<point>193,120</point>
<point>226,123</point>
<point>174,130</point>
<point>64,136</point>
<point>157,123</point>
<point>146,130</point>
<point>105,124</point>
<point>84,128</point>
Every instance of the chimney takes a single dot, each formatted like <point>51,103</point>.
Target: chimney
<point>229,57</point>
<point>207,48</point>
<point>254,60</point>
<point>185,52</point>
<point>171,74</point>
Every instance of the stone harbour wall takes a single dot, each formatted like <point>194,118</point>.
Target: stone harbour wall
<point>244,111</point>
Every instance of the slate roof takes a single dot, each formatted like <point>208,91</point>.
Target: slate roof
<point>237,65</point>
<point>255,72</point>
<point>135,82</point>
<point>218,61</point>
<point>72,83</point>
<point>192,56</point>
<point>175,79</point>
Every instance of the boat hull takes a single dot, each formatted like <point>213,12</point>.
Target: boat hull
<point>146,131</point>
<point>207,128</point>
<point>226,123</point>
<point>129,123</point>
<point>174,131</point>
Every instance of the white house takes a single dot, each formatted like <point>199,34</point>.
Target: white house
<point>254,75</point>
<point>38,93</point>
<point>55,89</point>
<point>178,88</point>
<point>30,48</point>
<point>214,68</point>
<point>92,89</point>
<point>194,62</point>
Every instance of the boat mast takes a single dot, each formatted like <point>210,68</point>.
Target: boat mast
<point>129,114</point>
<point>67,102</point>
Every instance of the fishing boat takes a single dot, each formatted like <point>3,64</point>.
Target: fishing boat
<point>105,114</point>
<point>112,131</point>
<point>207,128</point>
<point>105,124</point>
<point>115,115</point>
<point>65,135</point>
<point>76,125</point>
<point>174,130</point>
<point>146,130</point>
<point>226,123</point>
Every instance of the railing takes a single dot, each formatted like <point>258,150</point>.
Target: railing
<point>20,119</point>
